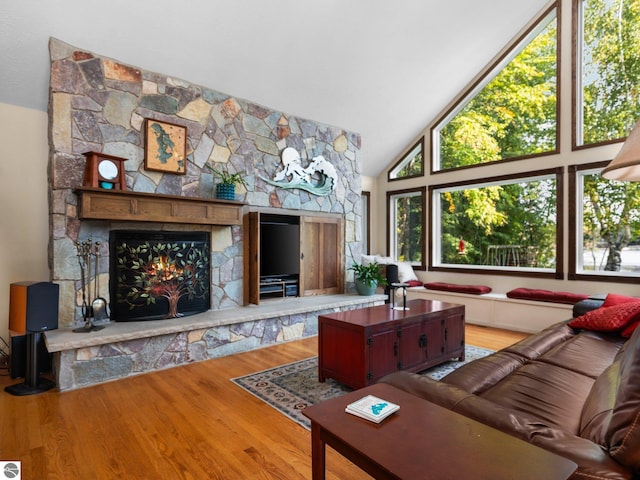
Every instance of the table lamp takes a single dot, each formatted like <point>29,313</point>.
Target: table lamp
<point>625,167</point>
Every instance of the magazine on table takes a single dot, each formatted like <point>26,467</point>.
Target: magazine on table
<point>372,408</point>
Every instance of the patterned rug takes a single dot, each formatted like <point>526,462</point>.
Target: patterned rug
<point>292,387</point>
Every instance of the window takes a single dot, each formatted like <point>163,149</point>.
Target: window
<point>504,224</point>
<point>410,165</point>
<point>511,113</point>
<point>608,64</point>
<point>406,214</point>
<point>607,213</point>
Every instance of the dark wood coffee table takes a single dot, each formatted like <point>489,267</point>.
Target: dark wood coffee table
<point>358,347</point>
<point>425,441</point>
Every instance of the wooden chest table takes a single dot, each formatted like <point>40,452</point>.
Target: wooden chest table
<point>424,441</point>
<point>358,347</point>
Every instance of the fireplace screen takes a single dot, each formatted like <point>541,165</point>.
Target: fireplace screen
<point>156,275</point>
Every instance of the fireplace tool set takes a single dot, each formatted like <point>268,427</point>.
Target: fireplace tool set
<point>88,253</point>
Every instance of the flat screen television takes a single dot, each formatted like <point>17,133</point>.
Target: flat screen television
<point>279,249</point>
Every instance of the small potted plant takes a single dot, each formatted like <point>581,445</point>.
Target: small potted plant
<point>367,277</point>
<point>226,189</point>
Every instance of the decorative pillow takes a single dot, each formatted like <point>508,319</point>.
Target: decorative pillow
<point>367,259</point>
<point>629,329</point>
<point>406,273</point>
<point>385,260</point>
<point>546,295</point>
<point>615,299</point>
<point>453,287</point>
<point>608,319</point>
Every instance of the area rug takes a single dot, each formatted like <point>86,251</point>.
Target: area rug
<point>292,387</point>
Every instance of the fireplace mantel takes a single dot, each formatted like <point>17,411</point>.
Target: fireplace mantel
<point>101,204</point>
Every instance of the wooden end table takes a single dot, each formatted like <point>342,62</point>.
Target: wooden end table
<point>358,347</point>
<point>425,441</point>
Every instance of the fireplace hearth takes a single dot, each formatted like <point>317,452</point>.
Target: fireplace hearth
<point>158,274</point>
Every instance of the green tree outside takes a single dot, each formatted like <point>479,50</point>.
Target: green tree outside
<point>515,115</point>
<point>611,106</point>
<point>611,69</point>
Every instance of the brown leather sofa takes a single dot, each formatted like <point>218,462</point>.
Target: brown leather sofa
<point>574,393</point>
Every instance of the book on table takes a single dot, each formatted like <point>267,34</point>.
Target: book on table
<point>372,408</point>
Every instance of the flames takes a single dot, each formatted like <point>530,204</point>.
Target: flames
<point>163,270</point>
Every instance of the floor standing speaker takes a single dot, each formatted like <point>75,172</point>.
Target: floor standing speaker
<point>33,309</point>
<point>18,356</point>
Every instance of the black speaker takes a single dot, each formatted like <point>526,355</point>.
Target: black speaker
<point>392,277</point>
<point>33,307</point>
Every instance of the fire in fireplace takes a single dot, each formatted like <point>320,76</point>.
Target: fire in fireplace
<point>156,275</point>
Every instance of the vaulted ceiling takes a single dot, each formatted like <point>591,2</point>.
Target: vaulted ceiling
<point>383,69</point>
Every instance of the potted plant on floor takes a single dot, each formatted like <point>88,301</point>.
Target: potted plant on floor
<point>367,277</point>
<point>226,189</point>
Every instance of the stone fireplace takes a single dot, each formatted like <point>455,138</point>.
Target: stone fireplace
<point>99,104</point>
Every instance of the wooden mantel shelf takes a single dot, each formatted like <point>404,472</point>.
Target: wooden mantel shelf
<point>118,205</point>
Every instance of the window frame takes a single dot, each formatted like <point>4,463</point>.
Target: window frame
<point>577,112</point>
<point>422,191</point>
<point>366,221</point>
<point>404,159</point>
<point>433,249</point>
<point>575,221</point>
<point>487,75</point>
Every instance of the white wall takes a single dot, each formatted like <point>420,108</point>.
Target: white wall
<point>24,220</point>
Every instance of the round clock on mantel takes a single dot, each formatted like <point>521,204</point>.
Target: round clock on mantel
<point>104,171</point>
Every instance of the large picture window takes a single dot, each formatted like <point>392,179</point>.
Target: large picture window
<point>406,214</point>
<point>606,215</point>
<point>608,69</point>
<point>511,113</point>
<point>504,224</point>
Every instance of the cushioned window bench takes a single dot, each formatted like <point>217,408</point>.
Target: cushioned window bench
<point>498,310</point>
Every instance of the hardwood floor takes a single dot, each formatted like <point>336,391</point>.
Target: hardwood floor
<point>187,422</point>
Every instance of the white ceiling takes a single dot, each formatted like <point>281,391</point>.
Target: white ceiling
<point>383,69</point>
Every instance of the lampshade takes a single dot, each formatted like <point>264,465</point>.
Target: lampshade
<point>626,164</point>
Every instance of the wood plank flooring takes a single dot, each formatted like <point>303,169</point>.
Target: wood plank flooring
<point>187,422</point>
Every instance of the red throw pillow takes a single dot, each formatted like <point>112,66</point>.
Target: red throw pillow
<point>629,329</point>
<point>537,294</point>
<point>615,299</point>
<point>608,319</point>
<point>454,287</point>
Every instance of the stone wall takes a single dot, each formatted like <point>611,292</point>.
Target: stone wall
<point>99,104</point>
<point>83,366</point>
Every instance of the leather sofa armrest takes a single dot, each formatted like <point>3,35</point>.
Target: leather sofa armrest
<point>427,388</point>
<point>593,460</point>
<point>588,304</point>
